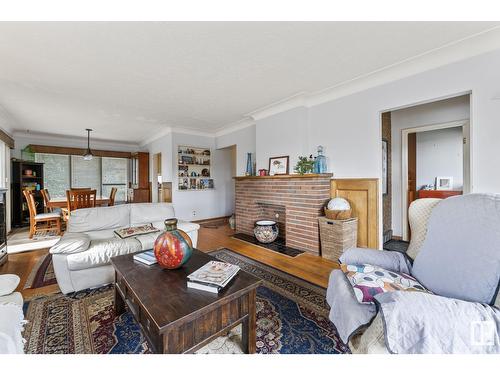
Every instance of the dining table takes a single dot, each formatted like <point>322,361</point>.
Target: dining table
<point>63,203</point>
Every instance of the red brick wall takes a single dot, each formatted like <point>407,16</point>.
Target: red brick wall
<point>303,199</point>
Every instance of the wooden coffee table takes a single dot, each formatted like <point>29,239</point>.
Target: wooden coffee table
<point>176,319</point>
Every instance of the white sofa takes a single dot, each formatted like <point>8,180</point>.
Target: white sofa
<point>82,257</point>
<point>11,316</point>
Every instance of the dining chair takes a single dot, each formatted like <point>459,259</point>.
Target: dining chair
<point>46,200</point>
<point>112,196</point>
<point>52,220</point>
<point>80,188</point>
<point>77,199</point>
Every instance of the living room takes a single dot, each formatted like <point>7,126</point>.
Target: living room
<point>245,187</point>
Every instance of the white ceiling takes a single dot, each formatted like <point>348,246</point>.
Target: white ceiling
<point>129,81</point>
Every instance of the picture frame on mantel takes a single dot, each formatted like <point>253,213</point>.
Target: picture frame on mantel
<point>279,165</point>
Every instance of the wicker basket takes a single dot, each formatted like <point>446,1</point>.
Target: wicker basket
<point>337,236</point>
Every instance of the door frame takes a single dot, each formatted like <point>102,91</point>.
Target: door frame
<point>467,163</point>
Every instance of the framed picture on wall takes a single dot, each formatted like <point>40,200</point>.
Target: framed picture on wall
<point>385,167</point>
<point>278,165</point>
<point>444,183</point>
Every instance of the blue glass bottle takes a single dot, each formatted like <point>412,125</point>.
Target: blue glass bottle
<point>249,164</point>
<point>320,162</point>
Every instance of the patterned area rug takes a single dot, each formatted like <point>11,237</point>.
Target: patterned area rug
<point>292,317</point>
<point>42,273</point>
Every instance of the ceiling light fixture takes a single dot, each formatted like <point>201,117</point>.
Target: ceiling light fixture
<point>88,154</point>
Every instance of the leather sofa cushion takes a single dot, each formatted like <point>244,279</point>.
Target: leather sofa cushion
<point>71,243</point>
<point>141,213</point>
<point>99,218</point>
<point>100,252</point>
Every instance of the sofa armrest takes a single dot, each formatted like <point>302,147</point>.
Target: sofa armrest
<point>389,260</point>
<point>71,243</point>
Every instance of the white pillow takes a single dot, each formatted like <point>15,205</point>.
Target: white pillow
<point>8,283</point>
<point>71,243</point>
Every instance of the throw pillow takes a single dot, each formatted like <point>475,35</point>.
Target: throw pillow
<point>367,281</point>
<point>136,231</point>
<point>8,283</point>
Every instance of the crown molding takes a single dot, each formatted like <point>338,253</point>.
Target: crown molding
<point>176,130</point>
<point>235,126</point>
<point>294,101</point>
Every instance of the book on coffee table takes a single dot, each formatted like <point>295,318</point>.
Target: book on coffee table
<point>146,257</point>
<point>212,277</point>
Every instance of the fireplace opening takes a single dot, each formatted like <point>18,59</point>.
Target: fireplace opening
<point>274,212</point>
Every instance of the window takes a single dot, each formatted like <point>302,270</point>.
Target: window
<point>114,174</point>
<point>56,171</point>
<point>62,172</point>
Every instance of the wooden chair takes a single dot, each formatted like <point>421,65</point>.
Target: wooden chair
<point>77,189</point>
<point>80,199</point>
<point>52,220</point>
<point>112,196</point>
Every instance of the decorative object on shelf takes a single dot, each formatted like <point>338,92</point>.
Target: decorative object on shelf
<point>262,172</point>
<point>304,165</point>
<point>232,222</point>
<point>444,183</point>
<point>320,162</point>
<point>248,172</point>
<point>266,231</point>
<point>27,154</point>
<point>338,209</point>
<point>278,165</point>
<point>88,153</point>
<point>172,248</point>
<point>337,236</point>
<point>193,168</point>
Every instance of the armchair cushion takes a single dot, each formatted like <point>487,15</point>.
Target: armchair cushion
<point>367,281</point>
<point>460,257</point>
<point>425,323</point>
<point>71,243</point>
<point>389,260</point>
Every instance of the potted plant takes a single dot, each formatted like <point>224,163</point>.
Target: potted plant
<point>304,165</point>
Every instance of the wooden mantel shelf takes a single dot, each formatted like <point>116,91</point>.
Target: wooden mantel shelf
<point>284,176</point>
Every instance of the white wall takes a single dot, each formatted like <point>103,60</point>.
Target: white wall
<point>196,205</point>
<point>280,135</point>
<point>244,139</point>
<point>440,153</point>
<point>350,127</point>
<point>442,111</point>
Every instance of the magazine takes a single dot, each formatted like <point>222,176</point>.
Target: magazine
<point>214,273</point>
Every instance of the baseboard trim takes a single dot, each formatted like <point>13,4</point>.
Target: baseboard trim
<point>219,218</point>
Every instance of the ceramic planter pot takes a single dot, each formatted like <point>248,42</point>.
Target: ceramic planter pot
<point>266,231</point>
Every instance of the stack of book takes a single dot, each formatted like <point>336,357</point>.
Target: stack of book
<point>146,257</point>
<point>212,277</point>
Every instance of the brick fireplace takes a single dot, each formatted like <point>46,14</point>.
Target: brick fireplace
<point>293,201</point>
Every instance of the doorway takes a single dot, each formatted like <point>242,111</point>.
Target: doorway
<point>435,164</point>
<point>416,141</point>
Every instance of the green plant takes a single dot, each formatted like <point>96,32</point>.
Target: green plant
<point>304,165</point>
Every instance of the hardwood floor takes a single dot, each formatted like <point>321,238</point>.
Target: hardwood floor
<point>306,266</point>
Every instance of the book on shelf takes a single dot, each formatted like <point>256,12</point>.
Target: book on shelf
<point>213,276</point>
<point>146,257</point>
